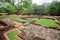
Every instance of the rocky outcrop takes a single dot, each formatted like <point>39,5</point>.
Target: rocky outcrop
<point>34,32</point>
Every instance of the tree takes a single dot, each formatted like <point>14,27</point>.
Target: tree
<point>8,1</point>
<point>54,8</point>
<point>22,6</point>
<point>39,8</point>
<point>26,5</point>
<point>8,6</point>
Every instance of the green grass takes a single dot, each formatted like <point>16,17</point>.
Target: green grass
<point>9,16</point>
<point>2,16</point>
<point>43,21</point>
<point>33,19</point>
<point>24,21</point>
<point>47,23</point>
<point>12,34</point>
<point>20,20</point>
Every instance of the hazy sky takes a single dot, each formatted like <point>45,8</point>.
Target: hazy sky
<point>41,1</point>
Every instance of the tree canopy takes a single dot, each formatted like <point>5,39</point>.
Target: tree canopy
<point>39,8</point>
<point>54,8</point>
<point>21,6</point>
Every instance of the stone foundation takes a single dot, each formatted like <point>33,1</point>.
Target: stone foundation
<point>34,32</point>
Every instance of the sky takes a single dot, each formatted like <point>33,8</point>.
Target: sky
<point>39,2</point>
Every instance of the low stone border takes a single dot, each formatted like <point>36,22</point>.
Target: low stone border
<point>6,36</point>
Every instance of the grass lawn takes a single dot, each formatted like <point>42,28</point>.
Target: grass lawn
<point>9,16</point>
<point>43,21</point>
<point>12,34</point>
<point>47,23</point>
<point>33,19</point>
<point>20,20</point>
<point>2,16</point>
<point>24,21</point>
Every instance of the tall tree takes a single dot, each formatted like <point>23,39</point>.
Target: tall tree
<point>55,8</point>
<point>9,1</point>
<point>27,5</point>
<point>8,5</point>
<point>39,8</point>
<point>21,6</point>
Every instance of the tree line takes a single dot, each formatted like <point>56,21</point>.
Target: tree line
<point>10,6</point>
<point>25,6</point>
<point>52,9</point>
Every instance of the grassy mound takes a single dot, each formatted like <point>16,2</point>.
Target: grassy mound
<point>47,23</point>
<point>12,34</point>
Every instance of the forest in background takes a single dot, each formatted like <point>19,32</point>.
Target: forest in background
<point>26,6</point>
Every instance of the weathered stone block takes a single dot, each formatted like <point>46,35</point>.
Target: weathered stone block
<point>34,32</point>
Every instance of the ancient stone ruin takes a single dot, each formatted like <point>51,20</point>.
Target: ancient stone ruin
<point>34,32</point>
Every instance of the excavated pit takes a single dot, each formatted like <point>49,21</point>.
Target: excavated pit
<point>4,28</point>
<point>34,32</point>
